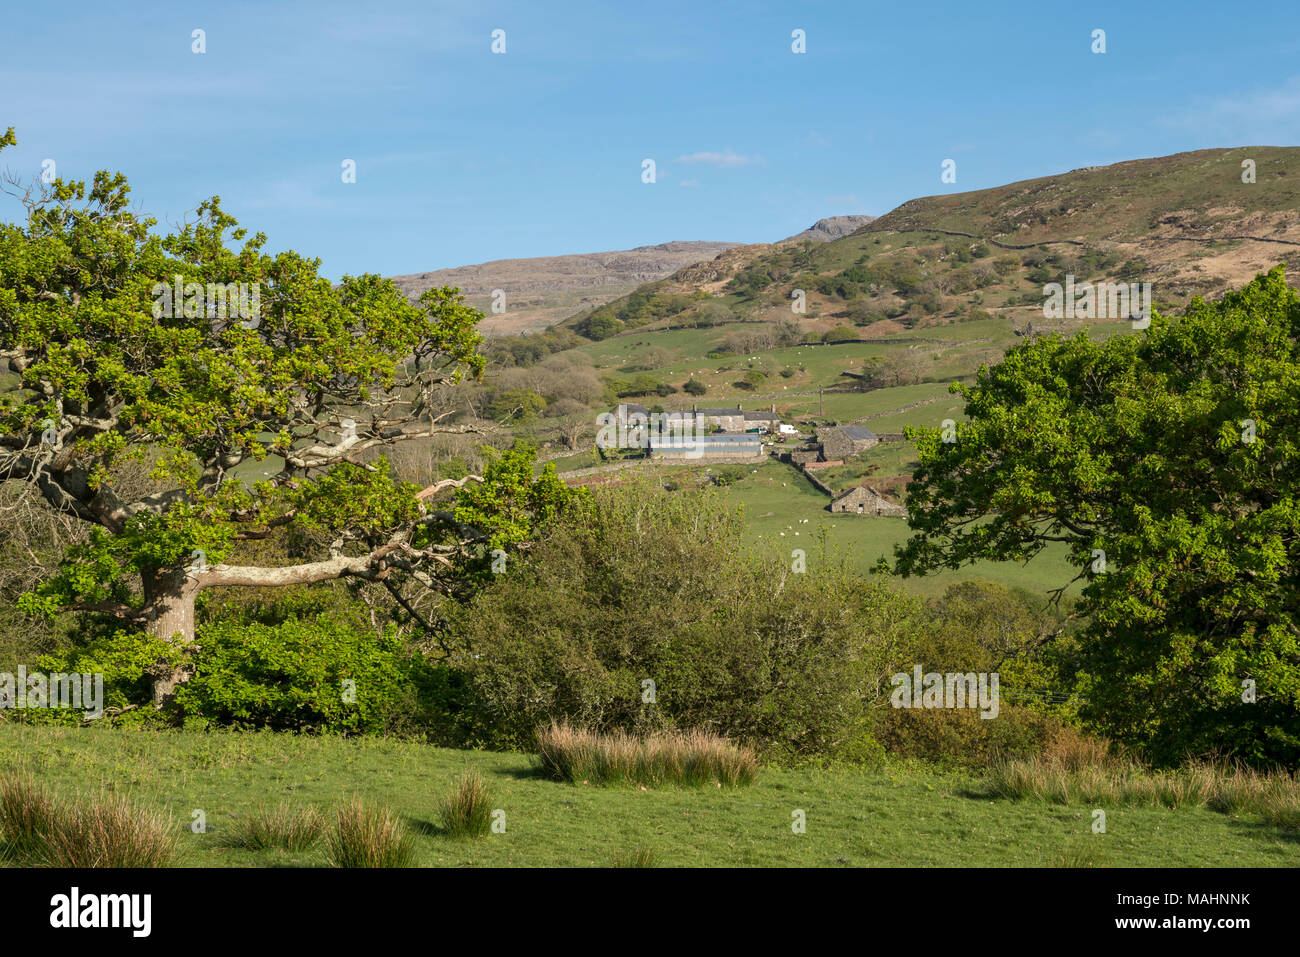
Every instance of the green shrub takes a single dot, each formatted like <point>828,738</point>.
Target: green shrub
<point>304,674</point>
<point>650,585</point>
<point>453,468</point>
<point>728,475</point>
<point>961,737</point>
<point>125,659</point>
<point>840,334</point>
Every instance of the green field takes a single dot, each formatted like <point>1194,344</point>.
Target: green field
<point>902,815</point>
<point>784,511</point>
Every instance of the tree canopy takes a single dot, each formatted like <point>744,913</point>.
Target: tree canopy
<point>1168,464</point>
<point>260,394</point>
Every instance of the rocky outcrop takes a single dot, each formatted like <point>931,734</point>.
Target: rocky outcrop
<point>832,227</point>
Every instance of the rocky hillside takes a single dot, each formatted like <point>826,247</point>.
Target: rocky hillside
<point>833,227</point>
<point>1188,224</point>
<point>548,289</point>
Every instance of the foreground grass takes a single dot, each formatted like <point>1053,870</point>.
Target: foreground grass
<point>1272,797</point>
<point>897,817</point>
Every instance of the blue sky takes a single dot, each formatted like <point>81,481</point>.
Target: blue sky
<point>465,156</point>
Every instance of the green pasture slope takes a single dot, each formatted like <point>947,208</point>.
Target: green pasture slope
<point>777,501</point>
<point>898,816</point>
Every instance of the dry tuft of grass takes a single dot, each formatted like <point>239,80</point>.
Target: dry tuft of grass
<point>467,811</point>
<point>365,836</point>
<point>286,827</point>
<point>1229,788</point>
<point>643,856</point>
<point>109,832</point>
<point>1077,856</point>
<point>27,813</point>
<point>1072,750</point>
<point>692,758</point>
<point>39,829</point>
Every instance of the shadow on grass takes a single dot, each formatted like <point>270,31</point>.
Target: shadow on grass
<point>425,828</point>
<point>1266,829</point>
<point>533,772</point>
<point>978,791</point>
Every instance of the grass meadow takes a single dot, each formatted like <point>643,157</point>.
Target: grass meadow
<point>899,815</point>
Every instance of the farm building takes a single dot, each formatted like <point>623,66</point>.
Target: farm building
<point>767,421</point>
<point>845,441</point>
<point>738,420</point>
<point>626,409</point>
<point>707,448</point>
<point>864,500</point>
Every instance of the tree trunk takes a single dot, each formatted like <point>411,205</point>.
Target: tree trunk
<point>169,615</point>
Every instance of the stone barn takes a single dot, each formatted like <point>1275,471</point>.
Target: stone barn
<point>865,500</point>
<point>846,441</point>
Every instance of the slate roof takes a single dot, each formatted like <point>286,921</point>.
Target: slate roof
<point>690,441</point>
<point>858,432</point>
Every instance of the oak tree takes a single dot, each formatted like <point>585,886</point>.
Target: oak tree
<point>261,394</point>
<point>1168,465</point>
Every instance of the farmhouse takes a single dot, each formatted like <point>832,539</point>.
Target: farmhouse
<point>845,441</point>
<point>864,500</point>
<point>767,421</point>
<point>626,409</point>
<point>738,420</point>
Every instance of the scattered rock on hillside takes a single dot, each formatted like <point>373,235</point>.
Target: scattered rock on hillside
<point>832,227</point>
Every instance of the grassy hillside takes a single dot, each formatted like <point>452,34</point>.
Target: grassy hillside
<point>1192,194</point>
<point>898,816</point>
<point>919,299</point>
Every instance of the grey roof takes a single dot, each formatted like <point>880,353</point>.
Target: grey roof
<point>761,417</point>
<point>690,441</point>
<point>857,491</point>
<point>634,407</point>
<point>719,412</point>
<point>857,432</point>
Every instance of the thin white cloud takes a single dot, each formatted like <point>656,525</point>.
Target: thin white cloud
<point>1250,117</point>
<point>289,194</point>
<point>724,160</point>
